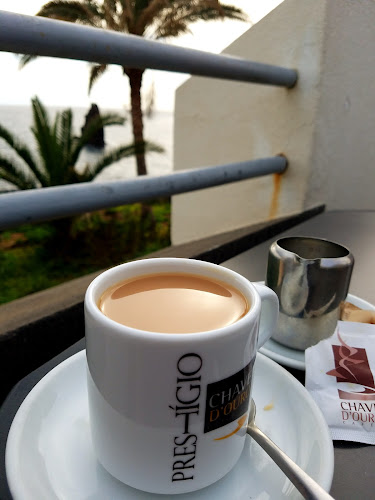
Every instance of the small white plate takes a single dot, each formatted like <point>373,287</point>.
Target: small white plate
<point>294,358</point>
<point>49,453</point>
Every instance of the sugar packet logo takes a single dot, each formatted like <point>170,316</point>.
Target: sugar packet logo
<point>228,401</point>
<point>352,372</point>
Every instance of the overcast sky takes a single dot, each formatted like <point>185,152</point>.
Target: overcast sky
<point>63,82</point>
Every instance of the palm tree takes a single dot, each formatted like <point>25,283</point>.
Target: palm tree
<point>154,19</point>
<point>58,151</point>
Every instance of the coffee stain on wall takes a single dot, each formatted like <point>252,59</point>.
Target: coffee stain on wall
<point>274,207</point>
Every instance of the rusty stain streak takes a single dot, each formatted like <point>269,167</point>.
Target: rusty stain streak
<point>275,196</point>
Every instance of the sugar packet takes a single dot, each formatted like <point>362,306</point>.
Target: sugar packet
<point>340,374</point>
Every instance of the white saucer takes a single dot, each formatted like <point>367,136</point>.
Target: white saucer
<point>294,358</point>
<point>49,452</point>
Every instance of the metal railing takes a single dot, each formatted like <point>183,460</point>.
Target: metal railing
<point>45,37</point>
<point>51,203</point>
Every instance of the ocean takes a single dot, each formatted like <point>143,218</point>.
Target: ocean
<point>158,128</point>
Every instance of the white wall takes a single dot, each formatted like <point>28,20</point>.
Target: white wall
<point>323,125</point>
<point>342,170</point>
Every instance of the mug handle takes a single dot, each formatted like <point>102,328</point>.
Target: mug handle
<point>269,313</point>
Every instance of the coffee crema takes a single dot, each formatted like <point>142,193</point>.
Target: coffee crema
<point>173,303</point>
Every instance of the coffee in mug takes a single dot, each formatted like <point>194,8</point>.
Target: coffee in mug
<point>173,303</point>
<point>169,393</point>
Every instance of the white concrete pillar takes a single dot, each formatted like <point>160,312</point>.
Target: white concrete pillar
<point>325,125</point>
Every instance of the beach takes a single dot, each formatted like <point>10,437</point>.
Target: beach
<point>158,128</point>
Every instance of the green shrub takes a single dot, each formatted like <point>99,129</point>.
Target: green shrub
<point>35,257</point>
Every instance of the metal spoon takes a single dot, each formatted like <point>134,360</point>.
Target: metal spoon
<point>303,482</point>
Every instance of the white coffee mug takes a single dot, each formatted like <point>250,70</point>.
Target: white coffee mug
<point>168,412</point>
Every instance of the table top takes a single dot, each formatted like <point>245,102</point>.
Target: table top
<point>354,474</point>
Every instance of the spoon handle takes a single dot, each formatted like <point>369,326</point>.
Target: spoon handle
<point>303,482</point>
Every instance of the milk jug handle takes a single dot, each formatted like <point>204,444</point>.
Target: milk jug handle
<point>269,313</point>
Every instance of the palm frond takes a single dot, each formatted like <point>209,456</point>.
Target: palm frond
<point>64,133</point>
<point>211,14</point>
<point>110,15</point>
<point>117,154</point>
<point>88,13</point>
<point>126,16</point>
<point>96,72</point>
<point>149,13</point>
<point>170,27</point>
<point>175,19</point>
<point>231,12</point>
<point>47,144</point>
<point>13,172</point>
<point>23,152</point>
<point>24,60</point>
